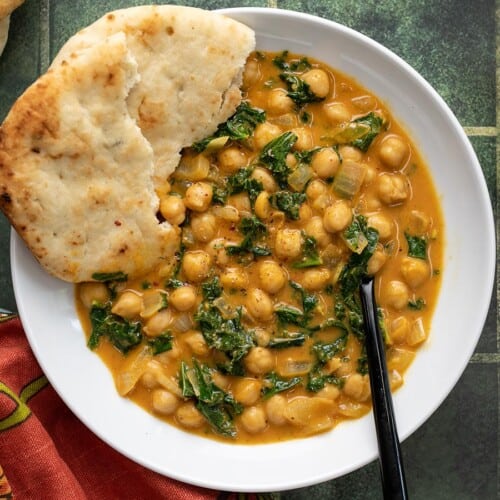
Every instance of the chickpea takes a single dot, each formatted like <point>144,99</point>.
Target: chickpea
<point>221,381</point>
<point>265,177</point>
<point>259,304</point>
<point>196,343</point>
<point>148,380</point>
<point>396,294</point>
<point>164,402</point>
<point>275,409</point>
<point>376,261</point>
<point>350,153</point>
<point>128,305</point>
<point>173,209</point>
<point>253,419</point>
<point>291,161</point>
<point>262,336</point>
<point>329,392</point>
<point>318,82</point>
<point>305,212</point>
<point>394,152</point>
<point>259,360</point>
<point>198,196</point>
<point>272,276</point>
<point>216,249</point>
<point>265,133</point>
<point>304,138</point>
<point>325,163</point>
<point>357,387</point>
<point>262,206</point>
<point>232,159</point>
<point>247,391</point>
<point>158,323</point>
<point>316,278</point>
<point>204,226</point>
<point>196,265</point>
<point>337,216</point>
<point>399,329</point>
<point>93,292</point>
<point>188,416</point>
<point>316,229</point>
<point>234,278</point>
<point>288,243</point>
<point>183,298</point>
<point>241,202</point>
<point>415,271</point>
<point>278,102</point>
<point>315,189</point>
<point>337,112</point>
<point>392,189</point>
<point>383,224</point>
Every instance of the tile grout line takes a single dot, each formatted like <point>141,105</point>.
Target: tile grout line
<point>44,35</point>
<point>273,4</point>
<point>481,131</point>
<point>497,224</point>
<point>485,357</point>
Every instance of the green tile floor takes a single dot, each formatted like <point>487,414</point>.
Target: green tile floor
<point>453,44</point>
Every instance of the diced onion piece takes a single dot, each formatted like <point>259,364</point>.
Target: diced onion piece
<point>395,380</point>
<point>182,322</point>
<point>227,212</point>
<point>167,382</point>
<point>353,409</point>
<point>350,132</point>
<point>417,333</point>
<point>359,245</point>
<point>300,177</point>
<point>288,364</point>
<point>399,359</point>
<point>193,168</point>
<point>215,145</point>
<point>137,362</point>
<point>349,178</point>
<point>152,302</point>
<point>312,414</point>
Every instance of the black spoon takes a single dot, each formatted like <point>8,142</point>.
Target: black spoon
<point>391,463</point>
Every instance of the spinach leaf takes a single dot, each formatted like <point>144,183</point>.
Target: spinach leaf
<point>375,123</point>
<point>253,230</point>
<point>296,339</point>
<point>273,156</point>
<point>290,316</point>
<point>310,254</point>
<point>417,304</point>
<point>273,384</point>
<point>123,334</point>
<point>211,289</point>
<point>280,61</point>
<point>417,246</point>
<point>218,407</point>
<point>225,335</point>
<point>241,181</point>
<point>240,126</point>
<point>288,202</point>
<point>317,380</point>
<point>104,277</point>
<point>325,351</point>
<point>161,343</point>
<point>298,90</point>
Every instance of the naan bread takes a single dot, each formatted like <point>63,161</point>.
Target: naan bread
<point>83,150</point>
<point>190,61</point>
<point>4,32</point>
<point>76,171</point>
<point>6,8</point>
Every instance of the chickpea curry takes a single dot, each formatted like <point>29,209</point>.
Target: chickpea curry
<point>254,331</point>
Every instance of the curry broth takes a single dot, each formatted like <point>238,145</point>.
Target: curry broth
<point>406,326</point>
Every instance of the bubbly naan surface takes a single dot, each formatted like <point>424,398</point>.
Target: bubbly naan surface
<point>84,150</point>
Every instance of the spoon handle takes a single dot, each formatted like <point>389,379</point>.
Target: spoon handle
<point>391,464</point>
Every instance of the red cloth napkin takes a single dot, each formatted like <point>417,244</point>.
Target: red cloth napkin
<point>47,453</point>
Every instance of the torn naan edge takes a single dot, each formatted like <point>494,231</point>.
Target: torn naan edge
<point>76,171</point>
<point>6,8</point>
<point>190,62</point>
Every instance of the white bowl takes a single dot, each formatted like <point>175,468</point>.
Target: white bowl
<point>84,383</point>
